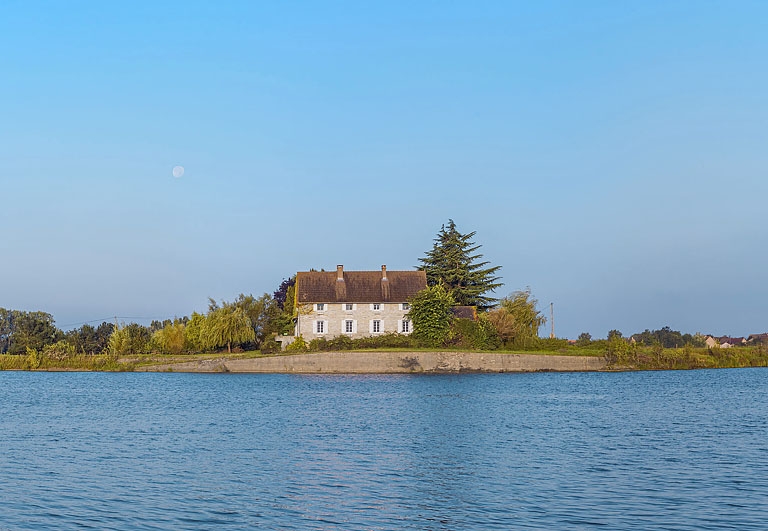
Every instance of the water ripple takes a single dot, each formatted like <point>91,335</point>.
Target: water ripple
<point>661,450</point>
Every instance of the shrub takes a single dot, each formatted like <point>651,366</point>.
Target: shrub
<point>319,344</point>
<point>431,315</point>
<point>60,350</point>
<point>270,346</point>
<point>475,335</point>
<point>298,345</point>
<point>340,343</point>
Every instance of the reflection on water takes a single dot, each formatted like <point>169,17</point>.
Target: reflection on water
<point>657,450</point>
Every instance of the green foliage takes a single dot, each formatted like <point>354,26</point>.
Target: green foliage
<point>341,342</point>
<point>262,312</point>
<point>623,355</point>
<point>585,338</point>
<point>119,342</point>
<point>298,345</point>
<point>431,315</point>
<point>192,332</point>
<point>666,337</point>
<point>138,338</point>
<point>169,339</point>
<point>130,339</point>
<point>453,262</point>
<point>270,346</point>
<point>226,326</point>
<point>21,330</point>
<point>388,340</point>
<point>59,351</point>
<point>613,334</point>
<point>90,340</point>
<point>619,351</point>
<point>34,358</point>
<point>517,320</point>
<point>474,335</point>
<point>380,341</point>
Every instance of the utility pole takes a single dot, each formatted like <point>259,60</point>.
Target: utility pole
<point>552,319</point>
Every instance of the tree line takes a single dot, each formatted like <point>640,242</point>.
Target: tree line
<point>247,323</point>
<point>457,279</point>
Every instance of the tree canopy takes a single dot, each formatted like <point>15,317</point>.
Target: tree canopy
<point>431,315</point>
<point>454,262</point>
<point>517,320</point>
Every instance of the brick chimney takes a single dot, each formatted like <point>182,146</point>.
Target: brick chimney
<point>341,286</point>
<point>384,284</point>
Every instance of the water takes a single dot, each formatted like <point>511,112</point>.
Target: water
<point>655,450</point>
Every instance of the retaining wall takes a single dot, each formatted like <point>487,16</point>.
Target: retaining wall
<point>391,362</point>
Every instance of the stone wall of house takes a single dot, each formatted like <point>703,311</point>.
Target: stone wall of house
<point>335,315</point>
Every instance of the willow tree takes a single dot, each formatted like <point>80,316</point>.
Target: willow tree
<point>517,319</point>
<point>455,263</point>
<point>225,326</point>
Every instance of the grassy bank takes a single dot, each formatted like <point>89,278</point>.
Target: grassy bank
<point>619,356</point>
<point>76,362</point>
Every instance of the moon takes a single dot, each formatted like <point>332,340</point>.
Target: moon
<point>178,171</point>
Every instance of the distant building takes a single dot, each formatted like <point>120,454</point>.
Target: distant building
<point>724,341</point>
<point>355,303</point>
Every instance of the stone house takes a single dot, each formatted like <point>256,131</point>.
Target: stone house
<point>355,303</point>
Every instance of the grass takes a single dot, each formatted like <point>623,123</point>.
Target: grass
<point>623,357</point>
<point>76,362</point>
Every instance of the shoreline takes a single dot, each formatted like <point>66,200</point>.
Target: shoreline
<point>367,362</point>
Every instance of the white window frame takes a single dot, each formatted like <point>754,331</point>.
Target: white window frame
<point>405,306</point>
<point>374,307</point>
<point>404,326</point>
<point>374,322</point>
<point>320,307</point>
<point>344,326</point>
<point>348,307</point>
<point>316,327</point>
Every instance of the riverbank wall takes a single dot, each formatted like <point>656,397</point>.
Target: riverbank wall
<point>390,363</point>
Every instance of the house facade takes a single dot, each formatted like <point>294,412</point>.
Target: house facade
<point>355,303</point>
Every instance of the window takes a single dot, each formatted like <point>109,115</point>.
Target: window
<point>320,327</point>
<point>349,307</point>
<point>348,326</point>
<point>405,306</point>
<point>406,326</point>
<point>376,326</point>
<point>376,307</point>
<point>321,307</point>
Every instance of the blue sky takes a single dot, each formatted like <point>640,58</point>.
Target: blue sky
<point>610,155</point>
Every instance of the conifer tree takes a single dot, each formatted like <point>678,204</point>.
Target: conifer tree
<point>454,262</point>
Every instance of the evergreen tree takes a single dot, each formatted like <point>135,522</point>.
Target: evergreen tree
<point>453,262</point>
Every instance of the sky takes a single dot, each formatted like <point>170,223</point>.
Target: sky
<point>611,156</point>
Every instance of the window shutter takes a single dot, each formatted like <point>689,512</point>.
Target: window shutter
<point>354,326</point>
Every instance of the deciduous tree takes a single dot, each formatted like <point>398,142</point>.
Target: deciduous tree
<point>431,315</point>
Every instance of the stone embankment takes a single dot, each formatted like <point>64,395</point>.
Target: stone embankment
<point>390,363</point>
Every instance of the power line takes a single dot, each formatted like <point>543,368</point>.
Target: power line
<point>112,318</point>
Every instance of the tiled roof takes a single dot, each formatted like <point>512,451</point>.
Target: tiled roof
<point>465,312</point>
<point>358,286</point>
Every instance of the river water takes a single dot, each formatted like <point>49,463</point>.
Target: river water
<point>647,450</point>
